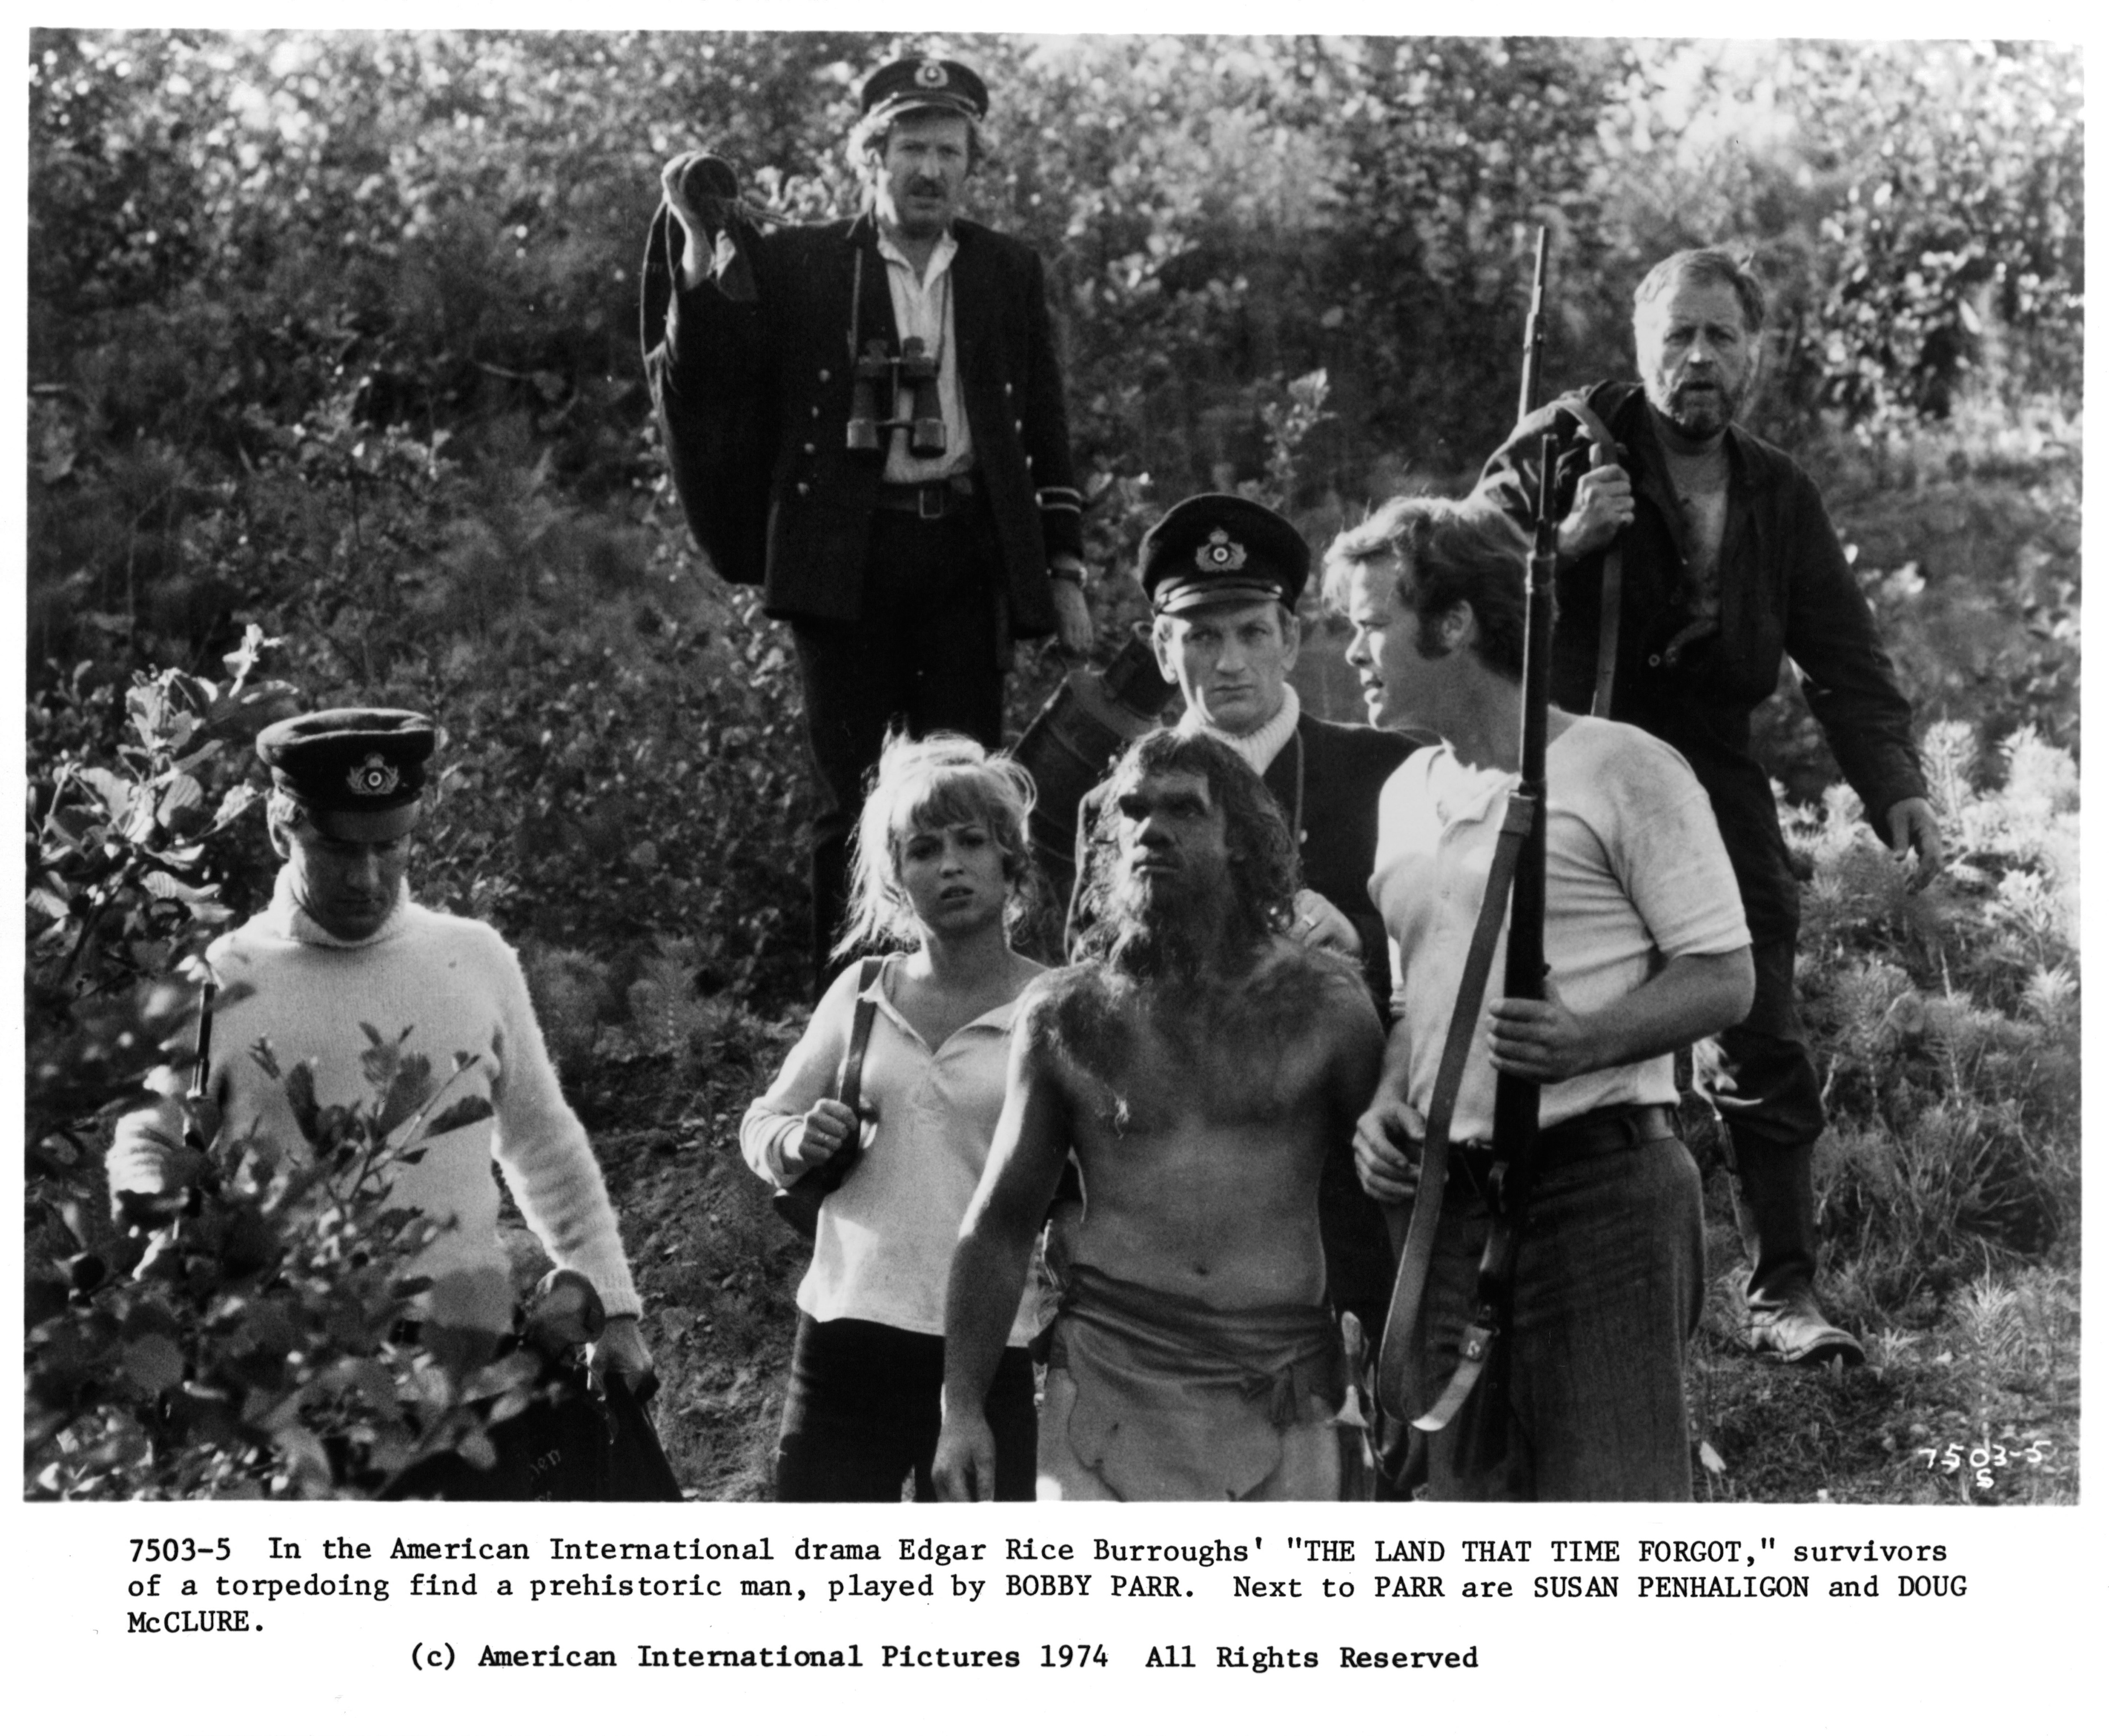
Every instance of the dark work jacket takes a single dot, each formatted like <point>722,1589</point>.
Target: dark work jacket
<point>754,400</point>
<point>1344,769</point>
<point>1785,589</point>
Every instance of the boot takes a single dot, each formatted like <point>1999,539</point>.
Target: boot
<point>1776,1211</point>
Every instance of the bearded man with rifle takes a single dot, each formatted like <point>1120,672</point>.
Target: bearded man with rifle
<point>1692,556</point>
<point>1595,1288</point>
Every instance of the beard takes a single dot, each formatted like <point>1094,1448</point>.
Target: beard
<point>1700,416</point>
<point>1175,930</point>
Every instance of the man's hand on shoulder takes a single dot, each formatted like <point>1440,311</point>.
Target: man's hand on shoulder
<point>701,191</point>
<point>1072,614</point>
<point>1319,922</point>
<point>1914,827</point>
<point>1603,507</point>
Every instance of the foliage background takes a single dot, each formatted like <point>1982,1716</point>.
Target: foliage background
<point>333,336</point>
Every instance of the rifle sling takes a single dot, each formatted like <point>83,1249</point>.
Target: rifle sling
<point>1394,1356</point>
<point>1610,592</point>
<point>1607,631</point>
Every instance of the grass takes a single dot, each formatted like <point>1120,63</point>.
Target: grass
<point>1979,1364</point>
<point>1992,1364</point>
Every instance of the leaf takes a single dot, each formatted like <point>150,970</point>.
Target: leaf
<point>379,1059</point>
<point>154,1362</point>
<point>408,1092</point>
<point>183,794</point>
<point>463,1112</point>
<point>114,792</point>
<point>300,1094</point>
<point>237,802</point>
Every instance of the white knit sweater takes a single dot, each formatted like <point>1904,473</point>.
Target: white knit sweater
<point>440,984</point>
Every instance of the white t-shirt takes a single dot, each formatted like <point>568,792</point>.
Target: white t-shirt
<point>1635,873</point>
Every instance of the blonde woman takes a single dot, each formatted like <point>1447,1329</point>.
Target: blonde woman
<point>940,867</point>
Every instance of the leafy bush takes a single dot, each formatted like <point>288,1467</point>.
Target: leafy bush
<point>1948,1023</point>
<point>247,1344</point>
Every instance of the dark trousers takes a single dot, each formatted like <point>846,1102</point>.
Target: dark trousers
<point>924,654</point>
<point>1777,1101</point>
<point>1611,1274</point>
<point>861,1413</point>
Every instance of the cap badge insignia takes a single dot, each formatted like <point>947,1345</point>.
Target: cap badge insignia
<point>930,75</point>
<point>1220,554</point>
<point>374,776</point>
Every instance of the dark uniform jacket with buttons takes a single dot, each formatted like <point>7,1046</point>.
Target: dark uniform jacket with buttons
<point>754,399</point>
<point>1784,587</point>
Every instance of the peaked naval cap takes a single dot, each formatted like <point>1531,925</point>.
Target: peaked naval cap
<point>1221,548</point>
<point>903,87</point>
<point>359,772</point>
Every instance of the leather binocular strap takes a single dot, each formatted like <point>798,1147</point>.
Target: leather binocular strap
<point>1395,1354</point>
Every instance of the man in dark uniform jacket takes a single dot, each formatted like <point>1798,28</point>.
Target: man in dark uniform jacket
<point>1222,574</point>
<point>1725,560</point>
<point>907,549</point>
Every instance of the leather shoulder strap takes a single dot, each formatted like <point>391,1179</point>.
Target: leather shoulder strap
<point>1394,1356</point>
<point>851,1077</point>
<point>1599,431</point>
<point>1610,592</point>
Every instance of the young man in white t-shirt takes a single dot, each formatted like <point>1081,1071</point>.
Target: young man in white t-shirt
<point>1646,948</point>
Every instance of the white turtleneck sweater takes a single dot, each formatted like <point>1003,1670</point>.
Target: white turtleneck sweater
<point>440,984</point>
<point>1257,749</point>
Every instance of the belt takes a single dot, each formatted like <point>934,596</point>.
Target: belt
<point>942,498</point>
<point>1596,1133</point>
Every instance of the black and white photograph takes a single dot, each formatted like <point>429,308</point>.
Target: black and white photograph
<point>925,766</point>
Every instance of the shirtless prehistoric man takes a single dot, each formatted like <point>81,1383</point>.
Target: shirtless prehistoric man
<point>1201,1064</point>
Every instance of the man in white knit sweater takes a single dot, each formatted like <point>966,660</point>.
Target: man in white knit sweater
<point>342,947</point>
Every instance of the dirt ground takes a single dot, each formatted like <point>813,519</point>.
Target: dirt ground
<point>719,1272</point>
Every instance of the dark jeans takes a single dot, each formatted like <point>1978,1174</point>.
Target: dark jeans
<point>861,1412</point>
<point>1777,1101</point>
<point>925,653</point>
<point>1610,1275</point>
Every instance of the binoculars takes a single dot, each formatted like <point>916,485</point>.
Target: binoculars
<point>876,371</point>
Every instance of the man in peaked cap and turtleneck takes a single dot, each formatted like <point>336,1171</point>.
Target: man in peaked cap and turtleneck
<point>344,945</point>
<point>908,538</point>
<point>1222,574</point>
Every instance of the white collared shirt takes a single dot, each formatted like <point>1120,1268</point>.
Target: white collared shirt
<point>923,308</point>
<point>883,1250</point>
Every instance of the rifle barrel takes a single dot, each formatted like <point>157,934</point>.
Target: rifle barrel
<point>1516,1100</point>
<point>1534,332</point>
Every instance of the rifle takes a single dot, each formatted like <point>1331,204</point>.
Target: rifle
<point>1534,333</point>
<point>1516,1099</point>
<point>1517,880</point>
